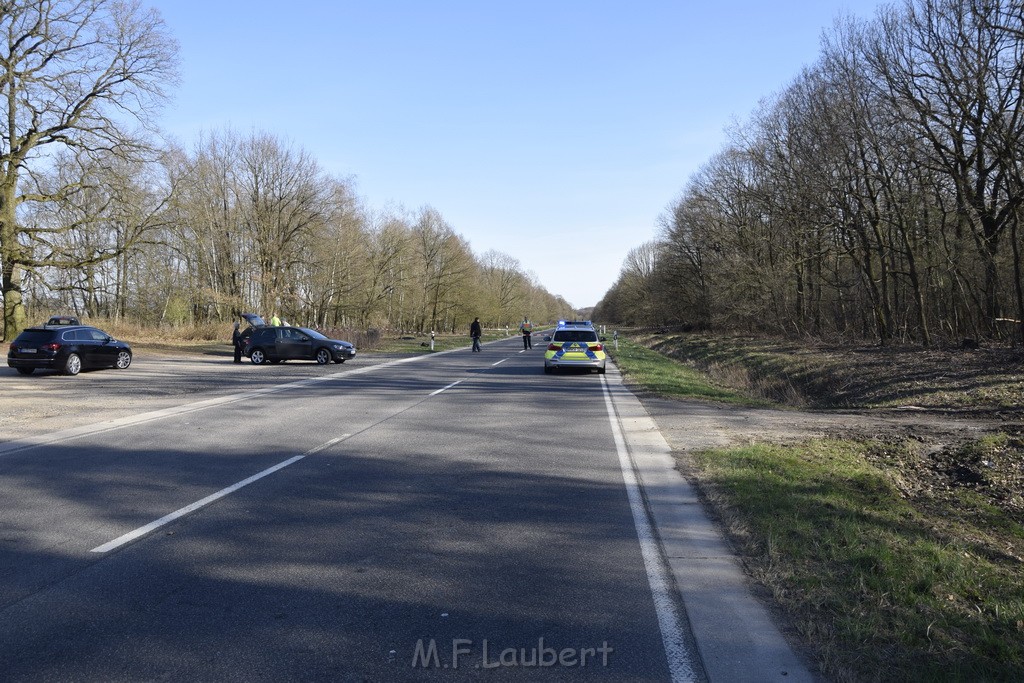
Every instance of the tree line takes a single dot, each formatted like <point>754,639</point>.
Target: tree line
<point>878,196</point>
<point>101,217</point>
<point>249,223</point>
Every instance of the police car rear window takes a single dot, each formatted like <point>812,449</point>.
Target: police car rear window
<point>575,336</point>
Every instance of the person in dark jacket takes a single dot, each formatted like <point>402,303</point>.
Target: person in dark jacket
<point>475,331</point>
<point>236,339</point>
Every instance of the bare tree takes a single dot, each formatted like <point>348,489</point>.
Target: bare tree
<point>73,75</point>
<point>383,246</point>
<point>286,203</point>
<point>504,285</point>
<point>119,204</point>
<point>445,263</point>
<point>207,233</point>
<point>956,71</point>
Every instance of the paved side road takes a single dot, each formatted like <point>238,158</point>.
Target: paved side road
<point>46,402</point>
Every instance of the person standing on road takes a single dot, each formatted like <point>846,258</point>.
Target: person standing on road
<point>236,340</point>
<point>526,328</point>
<point>475,331</point>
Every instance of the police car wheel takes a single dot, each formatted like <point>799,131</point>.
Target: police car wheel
<point>547,370</point>
<point>600,371</point>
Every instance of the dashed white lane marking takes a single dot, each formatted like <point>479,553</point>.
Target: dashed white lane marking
<point>435,393</point>
<point>680,661</point>
<point>499,362</point>
<point>188,509</point>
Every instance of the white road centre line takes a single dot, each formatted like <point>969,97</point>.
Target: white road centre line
<point>499,362</point>
<point>680,661</point>
<point>166,519</point>
<point>435,393</point>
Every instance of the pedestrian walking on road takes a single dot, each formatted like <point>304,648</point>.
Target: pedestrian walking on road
<point>475,331</point>
<point>236,340</point>
<point>526,328</point>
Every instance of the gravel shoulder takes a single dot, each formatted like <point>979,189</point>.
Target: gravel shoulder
<point>694,425</point>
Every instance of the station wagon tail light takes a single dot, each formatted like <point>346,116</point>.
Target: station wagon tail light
<point>50,347</point>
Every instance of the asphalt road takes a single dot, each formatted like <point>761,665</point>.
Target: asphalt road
<point>452,516</point>
<point>456,517</point>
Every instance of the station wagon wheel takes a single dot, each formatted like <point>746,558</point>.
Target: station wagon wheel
<point>323,356</point>
<point>73,364</point>
<point>124,359</point>
<point>26,371</point>
<point>257,357</point>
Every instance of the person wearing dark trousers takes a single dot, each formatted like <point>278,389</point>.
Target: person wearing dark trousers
<point>475,331</point>
<point>526,328</point>
<point>236,341</point>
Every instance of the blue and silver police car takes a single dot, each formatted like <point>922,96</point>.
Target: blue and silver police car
<point>574,344</point>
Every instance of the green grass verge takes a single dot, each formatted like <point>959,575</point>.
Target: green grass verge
<point>655,372</point>
<point>883,589</point>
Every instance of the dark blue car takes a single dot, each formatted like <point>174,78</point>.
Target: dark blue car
<point>68,349</point>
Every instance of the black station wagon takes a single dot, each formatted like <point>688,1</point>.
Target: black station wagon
<point>67,349</point>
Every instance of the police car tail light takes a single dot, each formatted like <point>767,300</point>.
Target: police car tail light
<point>596,347</point>
<point>553,347</point>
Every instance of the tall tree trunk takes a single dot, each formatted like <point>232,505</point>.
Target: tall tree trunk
<point>10,253</point>
<point>1018,285</point>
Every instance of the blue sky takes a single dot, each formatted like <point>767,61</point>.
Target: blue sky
<point>555,132</point>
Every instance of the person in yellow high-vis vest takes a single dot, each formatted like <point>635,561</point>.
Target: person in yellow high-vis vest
<point>526,328</point>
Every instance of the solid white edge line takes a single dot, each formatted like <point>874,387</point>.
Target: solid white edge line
<point>181,512</point>
<point>680,662</point>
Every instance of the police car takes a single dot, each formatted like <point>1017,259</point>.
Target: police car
<point>574,344</point>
